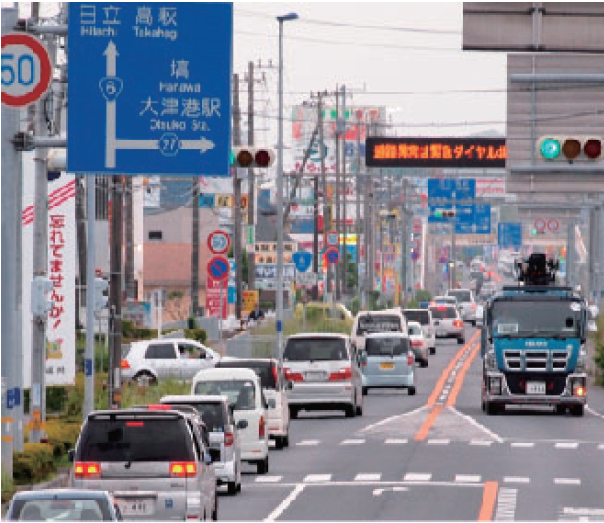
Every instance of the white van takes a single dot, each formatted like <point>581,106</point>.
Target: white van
<point>370,322</point>
<point>243,389</point>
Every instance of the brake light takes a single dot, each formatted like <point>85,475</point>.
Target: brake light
<point>261,427</point>
<point>87,470</point>
<point>159,406</point>
<point>292,376</point>
<point>183,469</point>
<point>275,374</point>
<point>416,343</point>
<point>343,374</point>
<point>441,308</point>
<point>410,359</point>
<point>135,424</point>
<point>458,323</point>
<point>473,306</point>
<point>229,439</point>
<point>124,364</point>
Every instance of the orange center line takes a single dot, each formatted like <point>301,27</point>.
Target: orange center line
<point>422,433</point>
<point>460,377</point>
<point>489,496</point>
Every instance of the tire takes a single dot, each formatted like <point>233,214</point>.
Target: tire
<point>262,466</point>
<point>215,511</point>
<point>560,410</point>
<point>286,440</point>
<point>293,412</point>
<point>350,411</point>
<point>432,350</point>
<point>279,443</point>
<point>365,391</point>
<point>491,408</point>
<point>461,341</point>
<point>139,379</point>
<point>424,363</point>
<point>411,391</point>
<point>474,323</point>
<point>577,410</point>
<point>359,410</point>
<point>233,488</point>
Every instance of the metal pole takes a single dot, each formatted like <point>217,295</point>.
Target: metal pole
<point>195,249</point>
<point>88,406</point>
<point>453,249</point>
<point>404,246</point>
<point>251,191</point>
<point>129,247</point>
<point>279,200</point>
<point>344,266</point>
<point>115,290</point>
<point>326,206</point>
<point>237,202</point>
<point>357,223</point>
<point>337,192</point>
<point>570,253</point>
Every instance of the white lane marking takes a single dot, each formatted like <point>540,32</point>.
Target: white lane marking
<point>592,411</point>
<point>565,445</point>
<point>601,447</point>
<point>438,441</point>
<point>583,511</point>
<point>392,418</point>
<point>522,445</point>
<point>567,481</point>
<point>283,506</point>
<point>506,505</point>
<point>481,443</point>
<point>308,443</point>
<point>471,420</point>
<point>378,492</point>
<point>516,479</point>
<point>397,441</point>
<point>268,479</point>
<point>367,477</point>
<point>366,484</point>
<point>465,478</point>
<point>352,442</point>
<point>412,476</point>
<point>317,478</point>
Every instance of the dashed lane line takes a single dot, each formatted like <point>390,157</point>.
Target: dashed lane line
<point>394,441</point>
<point>566,445</point>
<point>308,443</point>
<point>467,478</point>
<point>481,443</point>
<point>413,476</point>
<point>352,442</point>
<point>522,445</point>
<point>517,479</point>
<point>438,441</point>
<point>269,479</point>
<point>567,481</point>
<point>367,477</point>
<point>317,478</point>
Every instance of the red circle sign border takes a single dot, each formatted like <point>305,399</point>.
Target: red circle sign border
<point>332,249</point>
<point>211,235</point>
<point>328,234</point>
<point>539,227</point>
<point>221,258</point>
<point>557,226</point>
<point>45,69</point>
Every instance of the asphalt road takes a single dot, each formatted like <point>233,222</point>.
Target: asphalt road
<point>434,456</point>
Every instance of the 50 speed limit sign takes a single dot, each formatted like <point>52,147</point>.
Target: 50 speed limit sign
<point>26,70</point>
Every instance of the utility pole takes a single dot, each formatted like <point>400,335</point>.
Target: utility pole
<point>344,264</point>
<point>326,207</point>
<point>404,245</point>
<point>88,406</point>
<point>129,249</point>
<point>338,289</point>
<point>195,248</point>
<point>81,234</point>
<point>237,202</point>
<point>251,182</point>
<point>453,269</point>
<point>360,286</point>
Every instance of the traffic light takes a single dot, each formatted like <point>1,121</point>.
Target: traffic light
<point>583,148</point>
<point>248,157</point>
<point>41,305</point>
<point>444,213</point>
<point>100,300</point>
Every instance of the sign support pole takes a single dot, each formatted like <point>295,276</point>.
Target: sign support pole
<point>90,292</point>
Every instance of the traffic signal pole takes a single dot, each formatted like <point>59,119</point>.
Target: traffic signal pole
<point>236,205</point>
<point>251,182</point>
<point>88,406</point>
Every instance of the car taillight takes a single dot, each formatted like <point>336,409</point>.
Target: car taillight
<point>416,343</point>
<point>292,376</point>
<point>473,306</point>
<point>275,374</point>
<point>344,373</point>
<point>410,359</point>
<point>160,406</point>
<point>183,469</point>
<point>458,323</point>
<point>87,470</point>
<point>124,364</point>
<point>261,427</point>
<point>229,439</point>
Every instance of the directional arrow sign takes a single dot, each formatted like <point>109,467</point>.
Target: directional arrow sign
<point>143,99</point>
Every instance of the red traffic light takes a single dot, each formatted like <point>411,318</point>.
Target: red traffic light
<point>263,157</point>
<point>250,157</point>
<point>593,148</point>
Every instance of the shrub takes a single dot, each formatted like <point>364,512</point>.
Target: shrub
<point>135,395</point>
<point>599,357</point>
<point>199,335</point>
<point>423,295</point>
<point>34,464</point>
<point>7,487</point>
<point>62,435</point>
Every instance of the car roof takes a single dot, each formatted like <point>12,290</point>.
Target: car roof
<point>414,324</point>
<point>233,359</point>
<point>320,335</point>
<point>194,398</point>
<point>214,373</point>
<point>387,335</point>
<point>415,310</point>
<point>69,493</point>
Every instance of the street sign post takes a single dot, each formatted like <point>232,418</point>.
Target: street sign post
<point>26,69</point>
<point>149,88</point>
<point>218,268</point>
<point>219,242</point>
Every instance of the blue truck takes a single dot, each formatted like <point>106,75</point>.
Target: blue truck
<point>534,345</point>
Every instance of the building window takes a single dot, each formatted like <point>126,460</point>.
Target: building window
<point>155,235</point>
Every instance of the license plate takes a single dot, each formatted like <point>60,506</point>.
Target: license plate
<point>535,387</point>
<point>136,507</point>
<point>387,366</point>
<point>315,376</point>
<point>441,333</point>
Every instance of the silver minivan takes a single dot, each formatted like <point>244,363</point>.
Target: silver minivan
<point>154,462</point>
<point>325,373</point>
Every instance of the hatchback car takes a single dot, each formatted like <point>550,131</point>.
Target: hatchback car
<point>274,387</point>
<point>367,322</point>
<point>155,463</point>
<point>417,340</point>
<point>424,318</point>
<point>223,435</point>
<point>325,373</point>
<point>243,390</point>
<point>448,323</point>
<point>388,362</point>
<point>154,360</point>
<point>63,505</point>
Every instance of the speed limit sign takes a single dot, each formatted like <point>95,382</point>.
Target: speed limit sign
<point>26,70</point>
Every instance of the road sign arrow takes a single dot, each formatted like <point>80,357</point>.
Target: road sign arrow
<point>111,54</point>
<point>203,144</point>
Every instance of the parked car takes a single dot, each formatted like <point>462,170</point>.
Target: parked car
<point>368,322</point>
<point>222,432</point>
<point>388,362</point>
<point>243,389</point>
<point>154,360</point>
<point>325,373</point>
<point>417,340</point>
<point>424,318</point>
<point>63,505</point>
<point>448,323</point>
<point>468,305</point>
<point>155,462</point>
<point>274,387</point>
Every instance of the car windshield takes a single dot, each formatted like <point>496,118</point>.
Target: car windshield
<point>415,330</point>
<point>212,414</point>
<point>60,510</point>
<point>241,393</point>
<point>462,296</point>
<point>135,438</point>
<point>422,317</point>
<point>262,369</point>
<point>443,313</point>
<point>536,319</point>
<point>386,346</point>
<point>315,349</point>
<point>378,323</point>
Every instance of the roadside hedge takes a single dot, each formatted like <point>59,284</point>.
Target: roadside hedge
<point>62,435</point>
<point>34,464</point>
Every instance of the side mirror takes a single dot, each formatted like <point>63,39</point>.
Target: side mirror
<point>71,455</point>
<point>214,455</point>
<point>242,424</point>
<point>232,409</point>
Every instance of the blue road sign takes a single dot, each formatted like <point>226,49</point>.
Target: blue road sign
<point>302,260</point>
<point>509,234</point>
<point>218,268</point>
<point>332,254</point>
<point>473,219</point>
<point>445,190</point>
<point>232,294</point>
<point>207,200</point>
<point>149,88</point>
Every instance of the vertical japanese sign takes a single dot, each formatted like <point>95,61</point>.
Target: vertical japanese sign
<point>149,88</point>
<point>213,297</point>
<point>60,327</point>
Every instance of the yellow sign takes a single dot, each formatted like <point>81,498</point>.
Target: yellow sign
<point>250,299</point>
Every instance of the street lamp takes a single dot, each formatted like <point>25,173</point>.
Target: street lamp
<point>279,291</point>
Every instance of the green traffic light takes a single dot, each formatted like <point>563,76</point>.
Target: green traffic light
<point>438,213</point>
<point>533,232</point>
<point>550,148</point>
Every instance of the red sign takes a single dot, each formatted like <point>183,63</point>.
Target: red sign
<point>213,291</point>
<point>332,255</point>
<point>26,70</point>
<point>218,268</point>
<point>219,242</point>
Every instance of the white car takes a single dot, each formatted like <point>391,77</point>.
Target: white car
<point>448,323</point>
<point>243,389</point>
<point>465,297</point>
<point>155,360</point>
<point>370,322</point>
<point>424,318</point>
<point>417,340</point>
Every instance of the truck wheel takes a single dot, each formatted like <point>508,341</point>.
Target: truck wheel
<point>577,410</point>
<point>350,411</point>
<point>365,391</point>
<point>492,408</point>
<point>279,443</point>
<point>424,363</point>
<point>560,410</point>
<point>262,466</point>
<point>411,391</point>
<point>461,341</point>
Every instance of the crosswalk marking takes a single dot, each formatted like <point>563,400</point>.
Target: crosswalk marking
<point>465,478</point>
<point>522,445</point>
<point>367,477</point>
<point>317,478</point>
<point>352,442</point>
<point>567,481</point>
<point>268,479</point>
<point>516,479</point>
<point>395,441</point>
<point>506,505</point>
<point>566,445</point>
<point>412,476</point>
<point>438,441</point>
<point>308,443</point>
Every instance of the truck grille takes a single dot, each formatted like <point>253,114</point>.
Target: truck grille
<point>554,385</point>
<point>535,360</point>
